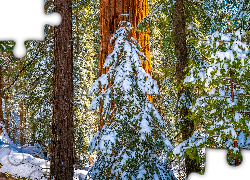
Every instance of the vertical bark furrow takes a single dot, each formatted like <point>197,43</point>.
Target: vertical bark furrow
<point>109,24</point>
<point>62,157</point>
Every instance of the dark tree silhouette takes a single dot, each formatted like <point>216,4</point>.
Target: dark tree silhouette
<point>181,53</point>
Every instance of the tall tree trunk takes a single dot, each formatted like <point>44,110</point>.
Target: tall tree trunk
<point>62,155</point>
<point>77,35</point>
<point>1,102</point>
<point>1,96</point>
<point>110,13</point>
<point>6,97</point>
<point>7,113</point>
<point>180,40</point>
<point>21,111</point>
<point>187,125</point>
<point>22,123</point>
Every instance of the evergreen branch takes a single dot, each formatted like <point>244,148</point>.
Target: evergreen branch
<point>26,65</point>
<point>37,79</point>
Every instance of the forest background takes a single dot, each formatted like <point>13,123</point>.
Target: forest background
<point>27,83</point>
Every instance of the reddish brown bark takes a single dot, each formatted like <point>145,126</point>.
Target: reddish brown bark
<point>110,12</point>
<point>62,144</point>
<point>237,162</point>
<point>110,16</point>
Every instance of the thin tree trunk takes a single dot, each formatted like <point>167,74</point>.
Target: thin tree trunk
<point>6,97</point>
<point>180,40</point>
<point>62,155</point>
<point>237,163</point>
<point>7,114</point>
<point>77,35</point>
<point>22,123</point>
<point>187,125</point>
<point>1,102</point>
<point>1,96</point>
<point>21,111</point>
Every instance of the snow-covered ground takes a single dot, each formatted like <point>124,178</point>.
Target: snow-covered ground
<point>80,174</point>
<point>20,161</point>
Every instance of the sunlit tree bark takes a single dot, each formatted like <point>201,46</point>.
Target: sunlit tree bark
<point>111,14</point>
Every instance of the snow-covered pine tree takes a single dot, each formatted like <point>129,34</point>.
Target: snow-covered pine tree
<point>223,105</point>
<point>132,143</point>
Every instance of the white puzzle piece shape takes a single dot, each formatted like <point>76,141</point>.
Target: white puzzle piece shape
<point>27,23</point>
<point>217,168</point>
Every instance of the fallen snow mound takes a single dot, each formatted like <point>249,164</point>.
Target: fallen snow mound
<point>13,161</point>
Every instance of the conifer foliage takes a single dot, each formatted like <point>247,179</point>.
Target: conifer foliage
<point>223,103</point>
<point>132,143</point>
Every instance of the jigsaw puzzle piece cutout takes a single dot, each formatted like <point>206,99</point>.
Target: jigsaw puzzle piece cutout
<point>27,23</point>
<point>217,167</point>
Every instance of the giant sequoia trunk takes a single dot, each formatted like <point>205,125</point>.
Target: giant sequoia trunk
<point>62,156</point>
<point>187,125</point>
<point>110,13</point>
